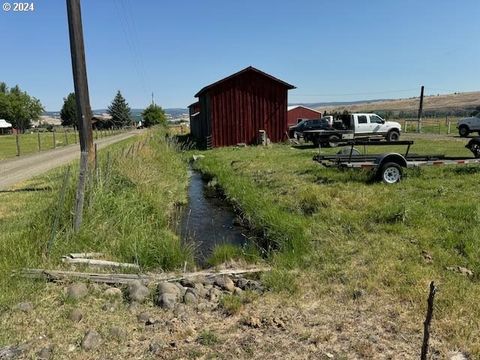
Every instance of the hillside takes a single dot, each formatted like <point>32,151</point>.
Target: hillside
<point>458,102</point>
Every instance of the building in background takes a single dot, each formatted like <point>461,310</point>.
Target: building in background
<point>235,109</point>
<point>5,127</point>
<point>296,113</point>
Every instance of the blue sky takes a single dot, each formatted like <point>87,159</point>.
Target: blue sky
<point>331,50</point>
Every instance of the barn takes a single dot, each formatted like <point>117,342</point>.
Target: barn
<point>300,112</point>
<point>233,110</point>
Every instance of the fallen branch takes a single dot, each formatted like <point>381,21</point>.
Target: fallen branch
<point>85,255</point>
<point>102,263</point>
<point>59,275</point>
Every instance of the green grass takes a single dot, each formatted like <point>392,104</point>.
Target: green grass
<point>355,234</point>
<point>128,215</point>
<point>29,142</point>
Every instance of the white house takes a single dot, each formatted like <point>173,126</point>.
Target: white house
<point>5,127</point>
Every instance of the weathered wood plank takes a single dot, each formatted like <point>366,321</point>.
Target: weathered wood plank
<point>102,263</point>
<point>106,278</point>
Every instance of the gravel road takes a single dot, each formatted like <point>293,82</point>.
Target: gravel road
<point>13,171</point>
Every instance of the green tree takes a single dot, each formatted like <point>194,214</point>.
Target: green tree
<point>68,114</point>
<point>154,115</point>
<point>18,108</point>
<point>119,111</point>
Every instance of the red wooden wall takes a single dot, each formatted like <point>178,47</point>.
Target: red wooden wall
<point>302,113</point>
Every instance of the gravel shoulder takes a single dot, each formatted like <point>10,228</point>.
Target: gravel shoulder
<point>17,170</point>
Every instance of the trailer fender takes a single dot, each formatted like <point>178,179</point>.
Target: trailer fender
<point>474,146</point>
<point>390,157</point>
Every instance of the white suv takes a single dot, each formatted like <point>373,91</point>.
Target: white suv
<point>469,124</point>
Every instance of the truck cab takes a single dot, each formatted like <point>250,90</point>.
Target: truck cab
<point>369,125</point>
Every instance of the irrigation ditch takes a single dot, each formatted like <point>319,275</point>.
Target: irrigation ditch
<point>211,219</point>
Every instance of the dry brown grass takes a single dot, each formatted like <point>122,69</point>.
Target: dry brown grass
<point>467,100</point>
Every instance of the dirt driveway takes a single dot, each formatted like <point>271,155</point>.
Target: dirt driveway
<point>16,170</point>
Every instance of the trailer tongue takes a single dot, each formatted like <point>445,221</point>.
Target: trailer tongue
<point>388,167</point>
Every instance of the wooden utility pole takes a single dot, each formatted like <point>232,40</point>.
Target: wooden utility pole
<point>79,68</point>
<point>420,111</point>
<point>84,112</point>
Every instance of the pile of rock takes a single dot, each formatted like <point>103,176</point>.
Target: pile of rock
<point>191,291</point>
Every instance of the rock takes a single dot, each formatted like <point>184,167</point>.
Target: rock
<point>166,301</point>
<point>254,286</point>
<point>182,289</point>
<point>189,283</point>
<point>214,294</point>
<point>118,333</point>
<point>461,270</point>
<point>137,292</point>
<point>146,318</point>
<point>45,353</point>
<point>427,256</point>
<point>237,291</point>
<point>225,283</point>
<point>155,347</point>
<point>91,340</point>
<point>252,321</point>
<point>113,292</point>
<point>76,315</point>
<point>169,288</point>
<point>241,283</point>
<point>190,297</point>
<point>456,355</point>
<point>108,307</point>
<point>26,307</point>
<point>77,291</point>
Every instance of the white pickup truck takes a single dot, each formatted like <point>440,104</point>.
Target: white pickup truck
<point>469,124</point>
<point>352,126</point>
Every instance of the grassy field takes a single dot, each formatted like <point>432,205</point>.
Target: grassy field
<point>350,236</point>
<point>128,215</point>
<point>352,260</point>
<point>29,142</point>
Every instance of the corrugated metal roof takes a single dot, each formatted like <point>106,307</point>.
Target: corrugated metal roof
<point>250,68</point>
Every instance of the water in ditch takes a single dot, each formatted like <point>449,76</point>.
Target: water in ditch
<point>208,220</point>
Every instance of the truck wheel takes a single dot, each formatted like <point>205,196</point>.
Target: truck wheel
<point>390,173</point>
<point>393,135</point>
<point>333,141</point>
<point>463,131</point>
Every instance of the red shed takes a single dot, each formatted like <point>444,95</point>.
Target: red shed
<point>234,109</point>
<point>300,112</point>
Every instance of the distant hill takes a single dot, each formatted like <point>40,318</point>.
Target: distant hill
<point>337,103</point>
<point>136,113</point>
<point>457,103</point>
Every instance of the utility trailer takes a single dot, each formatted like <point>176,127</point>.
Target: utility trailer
<point>388,167</point>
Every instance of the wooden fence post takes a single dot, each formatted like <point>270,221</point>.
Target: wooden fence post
<point>80,198</point>
<point>66,136</point>
<point>39,142</point>
<point>54,139</point>
<point>17,141</point>
<point>449,127</point>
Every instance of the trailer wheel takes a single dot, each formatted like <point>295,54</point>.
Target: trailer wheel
<point>333,141</point>
<point>390,173</point>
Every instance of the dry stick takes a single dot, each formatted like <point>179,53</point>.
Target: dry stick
<point>85,255</point>
<point>101,263</point>
<point>428,320</point>
<point>80,198</point>
<point>96,161</point>
<point>61,200</point>
<point>17,141</point>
